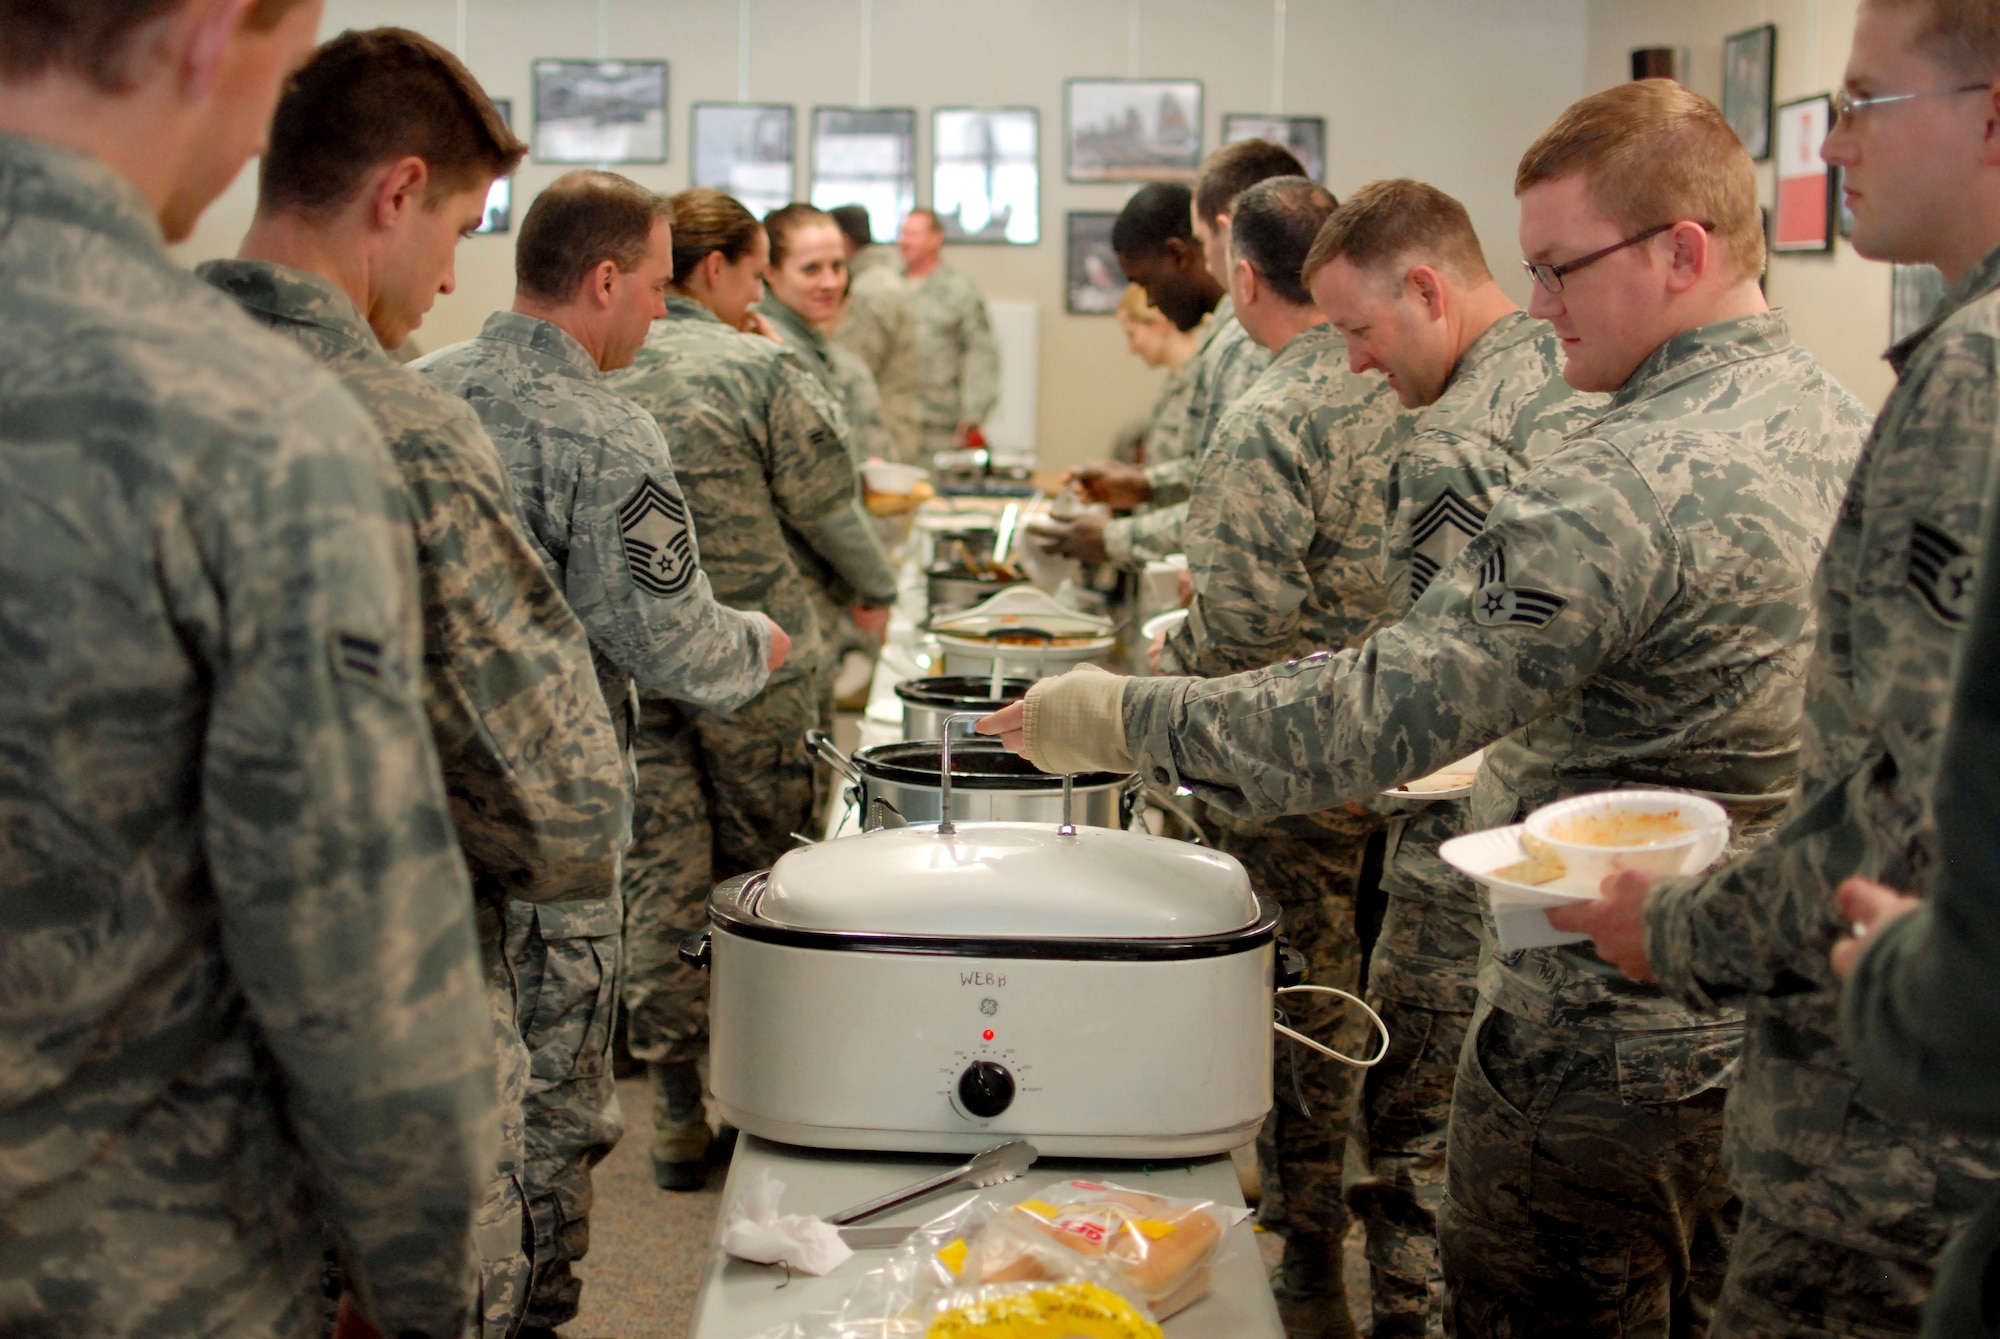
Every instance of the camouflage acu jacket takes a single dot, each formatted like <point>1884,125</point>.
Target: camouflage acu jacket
<point>1225,366</point>
<point>763,458</point>
<point>1166,425</point>
<point>845,377</point>
<point>597,490</point>
<point>1285,531</point>
<point>241,1013</point>
<point>1635,612</point>
<point>957,357</point>
<point>1803,1143</point>
<point>881,330</point>
<point>530,758</point>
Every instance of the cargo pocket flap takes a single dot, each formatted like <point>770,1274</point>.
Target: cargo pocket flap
<point>1662,1067</point>
<point>593,918</point>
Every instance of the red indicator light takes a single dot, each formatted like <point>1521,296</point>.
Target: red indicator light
<point>988,1034</point>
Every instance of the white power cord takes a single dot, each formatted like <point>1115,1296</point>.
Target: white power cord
<point>1328,1051</point>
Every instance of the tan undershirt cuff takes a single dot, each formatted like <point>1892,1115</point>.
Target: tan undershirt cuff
<point>1076,723</point>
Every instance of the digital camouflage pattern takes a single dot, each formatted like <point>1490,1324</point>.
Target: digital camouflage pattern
<point>881,330</point>
<point>530,759</point>
<point>238,966</point>
<point>957,358</point>
<point>1806,1148</point>
<point>1226,364</point>
<point>1637,602</point>
<point>1166,424</point>
<point>845,377</point>
<point>1504,407</point>
<point>597,490</point>
<point>1285,529</point>
<point>565,957</point>
<point>596,487</point>
<point>771,483</point>
<point>1584,1194</point>
<point>764,462</point>
<point>1786,1285</point>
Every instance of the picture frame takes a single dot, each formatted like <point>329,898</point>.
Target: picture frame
<point>498,215</point>
<point>600,111</point>
<point>986,174</point>
<point>1094,282</point>
<point>1803,219</point>
<point>747,149</point>
<point>1132,129</point>
<point>1305,136</point>
<point>866,156</point>
<point>1749,69</point>
<point>1914,294</point>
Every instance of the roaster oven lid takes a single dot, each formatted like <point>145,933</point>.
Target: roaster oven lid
<point>1009,880</point>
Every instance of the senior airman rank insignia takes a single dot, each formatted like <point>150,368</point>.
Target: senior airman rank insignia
<point>1496,603</point>
<point>657,543</point>
<point>1942,573</point>
<point>1440,534</point>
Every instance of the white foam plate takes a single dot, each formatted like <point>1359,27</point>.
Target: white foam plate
<point>1477,854</point>
<point>1160,623</point>
<point>1467,765</point>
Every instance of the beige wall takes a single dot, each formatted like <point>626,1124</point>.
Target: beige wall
<point>1838,303</point>
<point>1447,90</point>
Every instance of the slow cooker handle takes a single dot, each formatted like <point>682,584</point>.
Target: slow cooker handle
<point>694,950</point>
<point>944,827</point>
<point>820,742</point>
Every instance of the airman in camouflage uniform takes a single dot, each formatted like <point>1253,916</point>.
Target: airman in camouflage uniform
<point>958,361</point>
<point>881,330</point>
<point>239,968</point>
<point>771,484</point>
<point>1504,407</point>
<point>531,764</point>
<point>1224,368</point>
<point>597,491</point>
<point>1588,640</point>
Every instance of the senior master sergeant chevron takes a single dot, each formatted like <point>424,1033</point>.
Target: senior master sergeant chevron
<point>237,962</point>
<point>1634,612</point>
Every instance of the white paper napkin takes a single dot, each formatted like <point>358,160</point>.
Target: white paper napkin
<point>755,1231</point>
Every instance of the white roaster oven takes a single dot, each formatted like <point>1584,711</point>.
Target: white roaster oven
<point>943,988</point>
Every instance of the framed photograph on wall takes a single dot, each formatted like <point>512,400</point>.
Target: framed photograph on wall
<point>1804,217</point>
<point>745,148</point>
<point>1132,129</point>
<point>986,174</point>
<point>1914,294</point>
<point>866,156</point>
<point>1305,136</point>
<point>1749,61</point>
<point>1095,280</point>
<point>600,111</point>
<point>499,215</point>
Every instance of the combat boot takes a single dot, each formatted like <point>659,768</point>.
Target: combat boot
<point>1312,1290</point>
<point>680,1126</point>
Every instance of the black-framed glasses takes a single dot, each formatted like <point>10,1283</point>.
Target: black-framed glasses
<point>1847,104</point>
<point>1550,276</point>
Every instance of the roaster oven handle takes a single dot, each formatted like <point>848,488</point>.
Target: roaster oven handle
<point>945,829</point>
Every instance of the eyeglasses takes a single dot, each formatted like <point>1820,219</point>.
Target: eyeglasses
<point>1846,104</point>
<point>1550,276</point>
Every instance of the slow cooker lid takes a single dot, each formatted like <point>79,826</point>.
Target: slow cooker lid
<point>1009,880</point>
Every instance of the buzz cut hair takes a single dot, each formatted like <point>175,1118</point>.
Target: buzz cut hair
<point>1234,169</point>
<point>1155,215</point>
<point>928,215</point>
<point>1652,153</point>
<point>1394,224</point>
<point>1273,226</point>
<point>372,97</point>
<point>581,220</point>
<point>1963,36</point>
<point>93,39</point>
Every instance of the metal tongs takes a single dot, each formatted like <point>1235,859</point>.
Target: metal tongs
<point>991,1168</point>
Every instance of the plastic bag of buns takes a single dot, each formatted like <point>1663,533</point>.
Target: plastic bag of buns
<point>1158,1248</point>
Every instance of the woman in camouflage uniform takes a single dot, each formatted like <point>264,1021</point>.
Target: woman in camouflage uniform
<point>760,450</point>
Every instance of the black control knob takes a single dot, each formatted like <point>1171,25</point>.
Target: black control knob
<point>985,1089</point>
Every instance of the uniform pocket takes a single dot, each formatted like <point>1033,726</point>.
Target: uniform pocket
<point>1657,1068</point>
<point>568,1031</point>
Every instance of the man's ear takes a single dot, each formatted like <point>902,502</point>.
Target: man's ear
<point>1424,284</point>
<point>399,188</point>
<point>604,282</point>
<point>1693,255</point>
<point>1186,256</point>
<point>1247,280</point>
<point>1989,148</point>
<point>201,46</point>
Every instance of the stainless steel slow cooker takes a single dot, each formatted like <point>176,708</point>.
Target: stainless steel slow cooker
<point>904,783</point>
<point>1026,652</point>
<point>941,989</point>
<point>927,702</point>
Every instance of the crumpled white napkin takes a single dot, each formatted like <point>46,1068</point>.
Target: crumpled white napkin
<point>755,1231</point>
